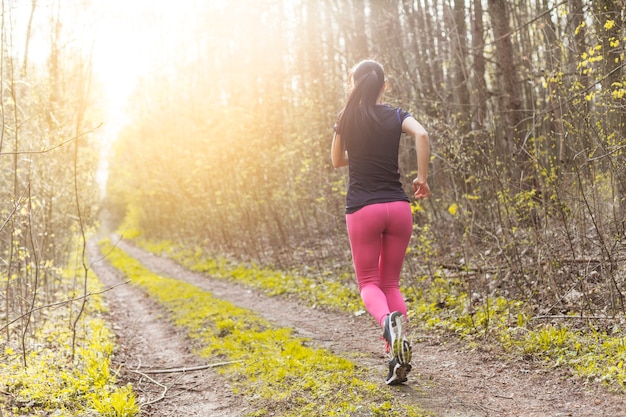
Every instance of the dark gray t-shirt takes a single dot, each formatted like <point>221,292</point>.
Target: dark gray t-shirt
<point>373,161</point>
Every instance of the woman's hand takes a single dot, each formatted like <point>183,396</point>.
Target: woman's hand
<point>420,188</point>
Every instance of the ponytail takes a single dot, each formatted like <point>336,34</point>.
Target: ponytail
<point>358,114</point>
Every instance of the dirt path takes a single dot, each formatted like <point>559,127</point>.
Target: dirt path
<point>145,342</point>
<point>446,380</point>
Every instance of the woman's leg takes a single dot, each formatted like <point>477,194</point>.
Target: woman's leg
<point>395,240</point>
<point>365,228</point>
<point>379,235</point>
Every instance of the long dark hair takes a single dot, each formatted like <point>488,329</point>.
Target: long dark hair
<point>368,78</point>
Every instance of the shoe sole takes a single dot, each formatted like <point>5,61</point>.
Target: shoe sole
<point>395,331</point>
<point>401,348</point>
<point>405,353</point>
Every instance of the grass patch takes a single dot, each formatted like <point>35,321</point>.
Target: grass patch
<point>277,373</point>
<point>596,355</point>
<point>324,291</point>
<point>440,304</point>
<point>52,384</point>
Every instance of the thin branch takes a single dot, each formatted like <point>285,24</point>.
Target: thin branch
<point>60,303</point>
<point>558,316</point>
<point>16,206</point>
<point>185,369</point>
<point>607,153</point>
<point>46,150</point>
<point>35,284</point>
<point>522,26</point>
<point>163,394</point>
<point>166,388</point>
<point>83,242</point>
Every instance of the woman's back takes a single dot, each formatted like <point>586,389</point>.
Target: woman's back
<point>373,163</point>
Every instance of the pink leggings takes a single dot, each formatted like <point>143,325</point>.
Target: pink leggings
<point>379,235</point>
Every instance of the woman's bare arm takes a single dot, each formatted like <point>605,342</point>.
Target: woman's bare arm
<point>422,148</point>
<point>338,153</point>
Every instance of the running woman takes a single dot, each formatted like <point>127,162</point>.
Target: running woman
<point>378,213</point>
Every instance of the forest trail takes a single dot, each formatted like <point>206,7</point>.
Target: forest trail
<point>446,380</point>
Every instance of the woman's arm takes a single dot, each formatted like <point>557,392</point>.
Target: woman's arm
<point>338,153</point>
<point>422,148</point>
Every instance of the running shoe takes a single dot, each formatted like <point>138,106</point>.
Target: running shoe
<point>394,335</point>
<point>397,372</point>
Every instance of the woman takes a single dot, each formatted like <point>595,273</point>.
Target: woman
<point>378,213</point>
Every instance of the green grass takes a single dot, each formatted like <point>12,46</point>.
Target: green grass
<point>321,291</point>
<point>507,326</point>
<point>276,372</point>
<point>440,304</point>
<point>54,384</point>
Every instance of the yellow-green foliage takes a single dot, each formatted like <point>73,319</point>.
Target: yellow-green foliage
<point>594,355</point>
<point>276,371</point>
<point>319,292</point>
<point>53,384</point>
<point>119,403</point>
<point>441,304</point>
<point>130,223</point>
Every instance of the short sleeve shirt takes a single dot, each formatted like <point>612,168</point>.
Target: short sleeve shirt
<point>373,161</point>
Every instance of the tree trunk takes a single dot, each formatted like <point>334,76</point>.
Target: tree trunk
<point>460,78</point>
<point>610,27</point>
<point>509,98</point>
<point>480,84</point>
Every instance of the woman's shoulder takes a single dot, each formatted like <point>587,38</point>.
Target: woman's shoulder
<point>389,110</point>
<point>386,109</point>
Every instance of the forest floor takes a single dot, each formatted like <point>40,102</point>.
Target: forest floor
<point>448,380</point>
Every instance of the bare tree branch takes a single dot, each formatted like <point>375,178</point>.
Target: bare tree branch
<point>46,150</point>
<point>60,303</point>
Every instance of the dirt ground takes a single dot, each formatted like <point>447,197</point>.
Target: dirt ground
<point>447,380</point>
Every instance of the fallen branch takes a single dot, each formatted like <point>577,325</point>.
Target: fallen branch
<point>185,369</point>
<point>163,394</point>
<point>166,388</point>
<point>590,260</point>
<point>573,317</point>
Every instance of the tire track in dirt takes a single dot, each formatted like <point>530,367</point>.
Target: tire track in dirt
<point>446,380</point>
